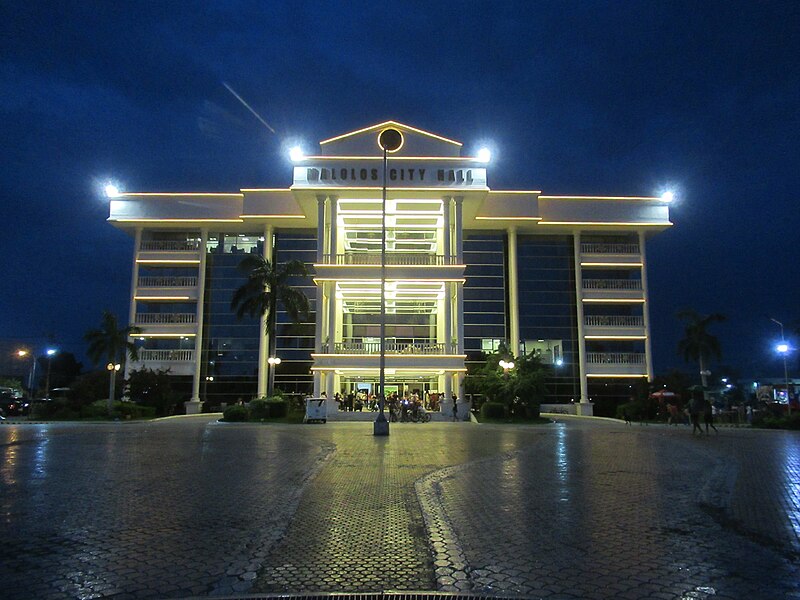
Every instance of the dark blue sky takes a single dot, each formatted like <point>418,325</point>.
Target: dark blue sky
<point>575,97</point>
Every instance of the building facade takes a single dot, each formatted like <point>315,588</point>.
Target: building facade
<point>467,268</point>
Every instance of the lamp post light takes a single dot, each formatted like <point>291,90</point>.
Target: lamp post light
<point>21,354</point>
<point>506,366</point>
<point>50,352</point>
<point>272,362</point>
<point>783,349</point>
<point>389,140</point>
<point>112,369</point>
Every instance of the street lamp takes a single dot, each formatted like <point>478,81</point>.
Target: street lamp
<point>506,366</point>
<point>390,140</point>
<point>783,349</point>
<point>112,369</point>
<point>272,362</point>
<point>50,353</point>
<point>21,354</point>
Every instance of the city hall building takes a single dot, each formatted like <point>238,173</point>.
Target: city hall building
<point>467,269</point>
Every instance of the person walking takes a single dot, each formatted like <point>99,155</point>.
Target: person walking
<point>708,416</point>
<point>696,406</point>
<point>455,407</point>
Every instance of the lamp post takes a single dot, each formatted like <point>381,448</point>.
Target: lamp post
<point>272,361</point>
<point>50,352</point>
<point>389,140</point>
<point>506,366</point>
<point>32,371</point>
<point>112,369</point>
<point>783,349</point>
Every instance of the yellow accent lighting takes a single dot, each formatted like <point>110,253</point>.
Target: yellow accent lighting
<point>386,125</point>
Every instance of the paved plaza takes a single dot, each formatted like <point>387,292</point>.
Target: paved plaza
<point>581,508</point>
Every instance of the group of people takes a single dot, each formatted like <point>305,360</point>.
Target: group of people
<point>407,406</point>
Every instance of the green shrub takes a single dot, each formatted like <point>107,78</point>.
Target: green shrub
<point>54,409</point>
<point>278,407</point>
<point>634,410</point>
<point>532,411</point>
<point>235,413</point>
<point>493,410</point>
<point>259,409</point>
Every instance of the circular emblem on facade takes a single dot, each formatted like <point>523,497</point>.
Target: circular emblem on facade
<point>390,140</point>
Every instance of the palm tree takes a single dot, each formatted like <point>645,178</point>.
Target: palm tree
<point>266,286</point>
<point>697,343</point>
<point>110,343</point>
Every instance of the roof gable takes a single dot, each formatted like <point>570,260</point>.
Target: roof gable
<point>364,142</point>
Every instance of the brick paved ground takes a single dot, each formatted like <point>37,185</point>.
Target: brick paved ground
<point>579,509</point>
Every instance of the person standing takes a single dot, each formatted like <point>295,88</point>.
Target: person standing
<point>696,406</point>
<point>455,407</point>
<point>708,416</point>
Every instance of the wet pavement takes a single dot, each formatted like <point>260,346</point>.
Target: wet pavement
<point>583,508</point>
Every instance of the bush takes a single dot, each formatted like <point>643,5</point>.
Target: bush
<point>783,422</point>
<point>54,409</point>
<point>235,413</point>
<point>278,408</point>
<point>121,410</point>
<point>493,410</point>
<point>259,410</point>
<point>633,409</point>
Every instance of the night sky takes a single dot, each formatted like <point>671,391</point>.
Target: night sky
<point>616,98</point>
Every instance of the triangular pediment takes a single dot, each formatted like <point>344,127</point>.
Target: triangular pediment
<point>416,142</point>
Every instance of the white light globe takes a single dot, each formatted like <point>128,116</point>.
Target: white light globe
<point>782,348</point>
<point>668,196</point>
<point>296,154</point>
<point>484,155</point>
<point>112,191</point>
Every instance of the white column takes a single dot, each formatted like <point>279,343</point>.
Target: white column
<point>579,312</point>
<point>134,289</point>
<point>646,310</point>
<point>447,317</point>
<point>459,299</point>
<point>334,230</point>
<point>318,306</point>
<point>263,335</point>
<point>513,292</point>
<point>459,234</point>
<point>331,315</point>
<point>446,229</point>
<point>194,405</point>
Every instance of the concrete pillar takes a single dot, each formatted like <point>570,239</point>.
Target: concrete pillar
<point>446,249</point>
<point>447,317</point>
<point>646,309</point>
<point>195,405</point>
<point>134,289</point>
<point>318,304</point>
<point>263,334</point>
<point>459,227</point>
<point>334,230</point>
<point>584,398</point>
<point>317,384</point>
<point>513,292</point>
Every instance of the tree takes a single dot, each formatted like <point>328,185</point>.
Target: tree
<point>697,344</point>
<point>112,344</point>
<point>522,386</point>
<point>268,285</point>
<point>153,388</point>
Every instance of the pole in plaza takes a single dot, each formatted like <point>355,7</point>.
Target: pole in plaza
<point>112,369</point>
<point>50,352</point>
<point>783,349</point>
<point>273,362</point>
<point>389,140</point>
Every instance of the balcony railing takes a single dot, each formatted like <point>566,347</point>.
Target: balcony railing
<point>615,358</point>
<point>612,284</point>
<point>165,318</point>
<point>169,245</point>
<point>599,248</point>
<point>392,258</point>
<point>408,346</point>
<point>166,355</point>
<point>162,281</point>
<point>613,321</point>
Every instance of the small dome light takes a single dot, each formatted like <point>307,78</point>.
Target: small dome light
<point>484,155</point>
<point>112,191</point>
<point>296,154</point>
<point>668,196</point>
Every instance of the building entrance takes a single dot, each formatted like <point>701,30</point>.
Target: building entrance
<point>360,393</point>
